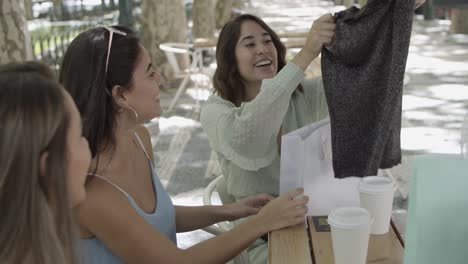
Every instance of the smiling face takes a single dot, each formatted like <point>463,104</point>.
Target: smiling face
<point>144,96</point>
<point>256,54</point>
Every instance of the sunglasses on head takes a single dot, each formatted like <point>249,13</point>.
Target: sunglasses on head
<point>111,34</point>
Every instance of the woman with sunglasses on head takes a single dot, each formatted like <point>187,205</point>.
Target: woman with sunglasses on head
<point>44,160</point>
<point>127,215</point>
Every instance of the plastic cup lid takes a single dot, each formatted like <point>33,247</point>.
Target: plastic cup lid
<point>376,184</point>
<point>349,217</point>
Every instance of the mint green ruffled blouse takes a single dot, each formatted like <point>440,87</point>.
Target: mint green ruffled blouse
<point>245,137</point>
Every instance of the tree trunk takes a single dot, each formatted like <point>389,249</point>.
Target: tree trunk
<point>460,21</point>
<point>28,6</point>
<point>57,3</point>
<point>103,5</point>
<point>428,10</point>
<point>348,3</point>
<point>241,4</point>
<point>222,12</point>
<point>112,4</point>
<point>57,9</point>
<point>203,19</point>
<point>125,13</point>
<point>14,36</point>
<point>163,21</point>
<point>60,11</point>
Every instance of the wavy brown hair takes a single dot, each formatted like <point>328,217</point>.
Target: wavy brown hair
<point>227,81</point>
<point>36,224</point>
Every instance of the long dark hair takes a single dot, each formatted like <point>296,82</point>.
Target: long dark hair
<point>36,223</point>
<point>227,81</point>
<point>83,75</point>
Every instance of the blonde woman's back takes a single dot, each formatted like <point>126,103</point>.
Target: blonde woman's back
<point>35,224</point>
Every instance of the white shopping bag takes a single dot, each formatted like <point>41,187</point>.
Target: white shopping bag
<point>306,161</point>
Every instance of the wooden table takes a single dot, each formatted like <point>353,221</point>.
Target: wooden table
<point>302,245</point>
<point>289,245</point>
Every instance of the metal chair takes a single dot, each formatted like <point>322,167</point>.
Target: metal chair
<point>219,184</point>
<point>171,49</point>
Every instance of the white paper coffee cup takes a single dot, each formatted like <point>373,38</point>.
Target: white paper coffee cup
<point>376,195</point>
<point>350,230</point>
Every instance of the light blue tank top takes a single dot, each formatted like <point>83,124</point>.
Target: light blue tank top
<point>162,219</point>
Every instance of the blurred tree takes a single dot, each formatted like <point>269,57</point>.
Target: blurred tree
<point>28,6</point>
<point>125,13</point>
<point>428,10</point>
<point>57,2</point>
<point>203,19</point>
<point>60,11</point>
<point>240,4</point>
<point>345,2</point>
<point>163,21</point>
<point>14,34</point>
<point>460,21</point>
<point>348,3</point>
<point>112,4</point>
<point>222,12</point>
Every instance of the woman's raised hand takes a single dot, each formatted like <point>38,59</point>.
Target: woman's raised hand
<point>286,210</point>
<point>321,33</point>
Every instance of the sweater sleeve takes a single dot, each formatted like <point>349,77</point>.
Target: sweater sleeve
<point>314,94</point>
<point>246,135</point>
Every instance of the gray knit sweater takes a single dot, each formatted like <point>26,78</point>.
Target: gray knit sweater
<point>363,73</point>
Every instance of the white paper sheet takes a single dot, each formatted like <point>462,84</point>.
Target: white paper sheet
<point>306,161</point>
